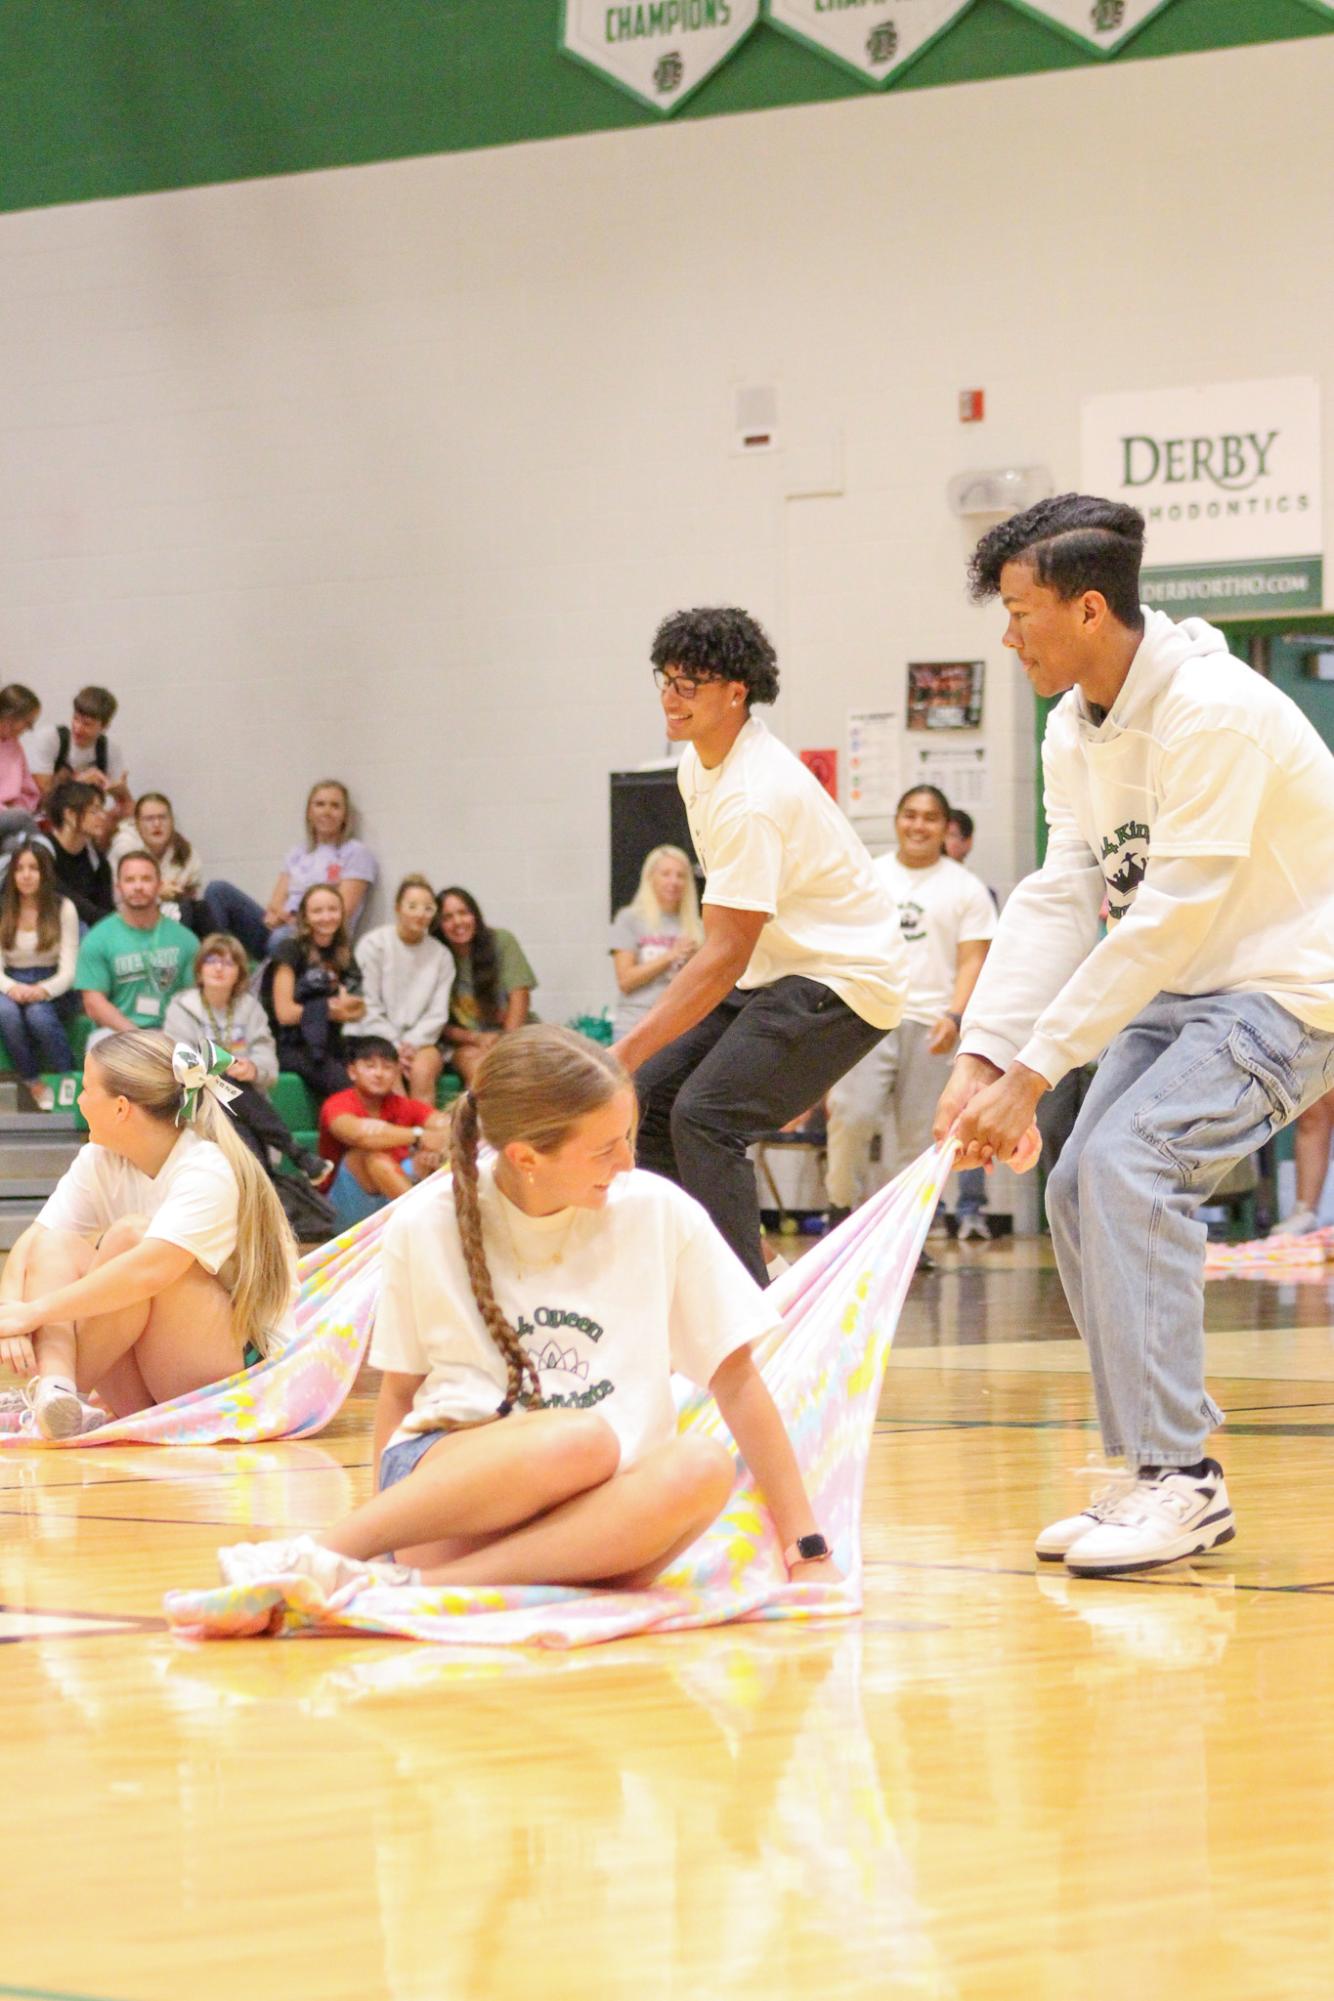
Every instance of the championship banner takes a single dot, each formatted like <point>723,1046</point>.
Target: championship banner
<point>657,50</point>
<point>1227,477</point>
<point>876,38</point>
<point>1103,25</point>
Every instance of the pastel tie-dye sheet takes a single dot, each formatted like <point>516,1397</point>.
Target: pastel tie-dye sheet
<point>1278,1255</point>
<point>290,1395</point>
<point>824,1365</point>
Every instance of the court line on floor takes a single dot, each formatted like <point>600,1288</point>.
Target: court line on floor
<point>186,1477</point>
<point>1159,1582</point>
<point>49,1994</point>
<point>885,1426</point>
<point>161,1522</point>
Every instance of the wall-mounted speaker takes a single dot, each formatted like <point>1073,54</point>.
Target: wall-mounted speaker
<point>647,811</point>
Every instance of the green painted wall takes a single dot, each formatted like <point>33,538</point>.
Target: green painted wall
<point>119,97</point>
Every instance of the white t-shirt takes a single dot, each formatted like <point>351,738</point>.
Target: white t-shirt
<point>629,933</point>
<point>771,839</point>
<point>642,1287</point>
<point>44,746</point>
<point>940,908</point>
<point>192,1201</point>
<point>1201,807</point>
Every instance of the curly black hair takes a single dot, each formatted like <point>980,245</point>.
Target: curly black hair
<point>719,641</point>
<point>1074,543</point>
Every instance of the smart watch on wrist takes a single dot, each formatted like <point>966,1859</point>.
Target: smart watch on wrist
<point>807,1549</point>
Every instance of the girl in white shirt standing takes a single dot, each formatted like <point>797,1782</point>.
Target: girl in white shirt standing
<point>39,943</point>
<point>163,1254</point>
<point>533,1309</point>
<point>947,920</point>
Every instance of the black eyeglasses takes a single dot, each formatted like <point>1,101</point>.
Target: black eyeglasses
<point>687,686</point>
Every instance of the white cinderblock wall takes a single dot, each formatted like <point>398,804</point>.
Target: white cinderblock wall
<point>388,473</point>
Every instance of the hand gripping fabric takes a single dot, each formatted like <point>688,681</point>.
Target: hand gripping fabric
<point>840,1305</point>
<point>289,1395</point>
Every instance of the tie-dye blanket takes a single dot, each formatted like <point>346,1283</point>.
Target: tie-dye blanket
<point>824,1364</point>
<point>290,1395</point>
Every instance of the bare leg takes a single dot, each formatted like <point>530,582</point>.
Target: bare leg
<point>467,1057</point>
<point>481,1483</point>
<point>376,1173</point>
<point>153,1351</point>
<point>1315,1129</point>
<point>621,1533</point>
<point>55,1258</point>
<point>424,1073</point>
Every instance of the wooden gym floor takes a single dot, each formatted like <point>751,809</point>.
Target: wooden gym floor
<point>996,1785</point>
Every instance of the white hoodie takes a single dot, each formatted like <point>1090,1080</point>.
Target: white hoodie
<point>1202,808</point>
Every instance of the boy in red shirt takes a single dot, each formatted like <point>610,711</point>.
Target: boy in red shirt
<point>380,1141</point>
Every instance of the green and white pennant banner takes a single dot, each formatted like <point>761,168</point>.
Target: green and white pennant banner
<point>1103,25</point>
<point>876,38</point>
<point>658,50</point>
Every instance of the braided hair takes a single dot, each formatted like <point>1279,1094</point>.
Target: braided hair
<point>534,1085</point>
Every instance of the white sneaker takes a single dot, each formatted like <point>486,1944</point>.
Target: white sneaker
<point>56,1410</point>
<point>1060,1538</point>
<point>301,1556</point>
<point>1159,1520</point>
<point>42,1095</point>
<point>1299,1224</point>
<point>973,1229</point>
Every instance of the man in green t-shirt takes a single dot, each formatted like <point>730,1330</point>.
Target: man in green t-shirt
<point>132,963</point>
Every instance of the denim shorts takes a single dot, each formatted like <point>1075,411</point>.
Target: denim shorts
<point>397,1461</point>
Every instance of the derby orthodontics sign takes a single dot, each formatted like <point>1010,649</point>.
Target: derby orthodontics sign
<point>1228,480</point>
<point>658,50</point>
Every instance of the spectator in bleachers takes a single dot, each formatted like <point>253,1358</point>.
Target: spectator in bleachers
<point>82,871</point>
<point>82,749</point>
<point>39,944</point>
<point>493,981</point>
<point>311,988</point>
<point>406,977</point>
<point>947,921</point>
<point>220,1008</point>
<point>19,796</point>
<point>654,935</point>
<point>153,829</point>
<point>379,1141</point>
<point>131,964</point>
<point>330,856</point>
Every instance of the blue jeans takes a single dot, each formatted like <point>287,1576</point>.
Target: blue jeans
<point>35,1034</point>
<point>229,909</point>
<point>1193,1085</point>
<point>971,1191</point>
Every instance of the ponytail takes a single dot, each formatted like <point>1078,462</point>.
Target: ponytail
<point>137,1064</point>
<point>463,1140</point>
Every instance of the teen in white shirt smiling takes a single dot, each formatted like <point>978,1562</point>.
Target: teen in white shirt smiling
<point>802,968</point>
<point>533,1310</point>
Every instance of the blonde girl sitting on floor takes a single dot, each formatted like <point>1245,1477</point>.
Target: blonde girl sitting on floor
<point>161,1258</point>
<point>533,1308</point>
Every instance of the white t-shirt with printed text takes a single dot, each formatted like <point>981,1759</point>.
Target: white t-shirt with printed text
<point>771,839</point>
<point>608,1302</point>
<point>940,908</point>
<point>192,1201</point>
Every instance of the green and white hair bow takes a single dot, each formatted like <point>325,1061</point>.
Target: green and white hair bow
<point>195,1071</point>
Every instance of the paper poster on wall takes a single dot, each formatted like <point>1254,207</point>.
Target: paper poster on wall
<point>1104,25</point>
<point>658,50</point>
<point>874,736</point>
<point>945,694</point>
<point>823,764</point>
<point>960,771</point>
<point>876,38</point>
<point>1228,478</point>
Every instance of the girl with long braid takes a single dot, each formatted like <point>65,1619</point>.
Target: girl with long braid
<point>534,1305</point>
<point>162,1257</point>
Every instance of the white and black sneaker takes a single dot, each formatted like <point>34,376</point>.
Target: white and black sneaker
<point>1170,1512</point>
<point>1056,1541</point>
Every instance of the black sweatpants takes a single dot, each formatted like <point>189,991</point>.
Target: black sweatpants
<point>761,1058</point>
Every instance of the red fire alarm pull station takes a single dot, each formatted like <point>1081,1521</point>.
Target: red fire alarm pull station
<point>972,405</point>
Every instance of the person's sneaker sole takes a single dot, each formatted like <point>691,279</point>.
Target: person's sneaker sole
<point>59,1417</point>
<point>1191,1544</point>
